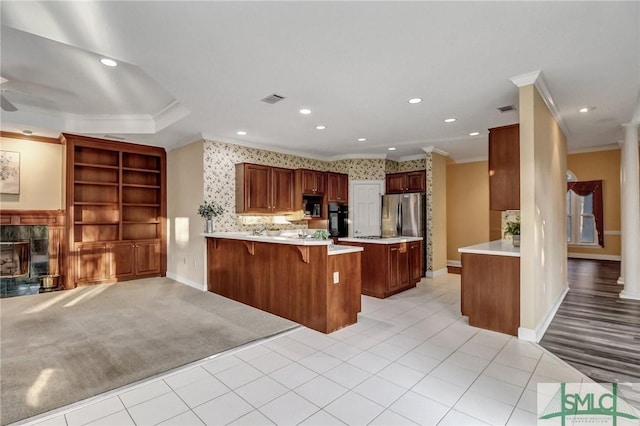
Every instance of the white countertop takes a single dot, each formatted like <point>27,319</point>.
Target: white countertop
<point>292,239</point>
<point>393,240</point>
<point>495,248</point>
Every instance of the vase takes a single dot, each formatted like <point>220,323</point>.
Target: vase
<point>516,240</point>
<point>208,226</point>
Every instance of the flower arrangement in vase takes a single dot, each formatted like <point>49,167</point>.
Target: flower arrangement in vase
<point>208,210</point>
<point>513,229</point>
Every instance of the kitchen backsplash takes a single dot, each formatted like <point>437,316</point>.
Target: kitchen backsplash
<point>219,178</point>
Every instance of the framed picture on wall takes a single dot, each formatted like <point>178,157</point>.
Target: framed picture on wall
<point>9,172</point>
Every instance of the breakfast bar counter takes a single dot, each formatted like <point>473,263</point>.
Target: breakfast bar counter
<point>306,280</point>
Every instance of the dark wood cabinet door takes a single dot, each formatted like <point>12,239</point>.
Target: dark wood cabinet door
<point>415,181</point>
<point>415,261</point>
<point>122,259</point>
<point>504,168</point>
<point>312,182</point>
<point>282,190</point>
<point>92,263</point>
<point>337,188</point>
<point>394,268</point>
<point>395,183</point>
<point>398,267</point>
<point>147,257</point>
<point>257,188</point>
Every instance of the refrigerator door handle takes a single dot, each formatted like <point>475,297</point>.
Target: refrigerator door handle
<point>399,221</point>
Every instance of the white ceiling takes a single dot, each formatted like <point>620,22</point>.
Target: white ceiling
<point>199,69</point>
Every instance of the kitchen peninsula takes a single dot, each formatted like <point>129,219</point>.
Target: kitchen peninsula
<point>306,280</point>
<point>490,289</point>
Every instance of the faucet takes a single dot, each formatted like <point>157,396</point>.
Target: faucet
<point>259,231</point>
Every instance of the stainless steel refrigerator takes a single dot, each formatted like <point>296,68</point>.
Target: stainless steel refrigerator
<point>403,215</point>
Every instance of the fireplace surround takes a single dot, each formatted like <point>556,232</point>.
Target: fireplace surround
<point>24,258</point>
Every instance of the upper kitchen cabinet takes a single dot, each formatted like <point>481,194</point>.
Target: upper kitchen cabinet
<point>263,189</point>
<point>312,182</point>
<point>337,188</point>
<point>398,183</point>
<point>504,168</point>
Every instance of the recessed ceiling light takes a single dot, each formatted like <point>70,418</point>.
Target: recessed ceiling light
<point>362,139</point>
<point>449,120</point>
<point>586,109</point>
<point>305,111</point>
<point>392,149</point>
<point>415,100</point>
<point>474,133</point>
<point>241,133</point>
<point>321,127</point>
<point>27,132</point>
<point>108,62</point>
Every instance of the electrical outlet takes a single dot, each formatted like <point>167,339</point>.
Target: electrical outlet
<point>336,277</point>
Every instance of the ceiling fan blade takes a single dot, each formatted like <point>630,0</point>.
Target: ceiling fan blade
<point>6,105</point>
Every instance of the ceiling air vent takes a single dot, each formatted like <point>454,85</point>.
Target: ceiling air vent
<point>273,99</point>
<point>507,108</point>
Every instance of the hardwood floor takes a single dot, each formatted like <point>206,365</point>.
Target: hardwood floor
<point>595,330</point>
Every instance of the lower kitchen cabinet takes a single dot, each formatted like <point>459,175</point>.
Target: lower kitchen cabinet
<point>388,269</point>
<point>118,261</point>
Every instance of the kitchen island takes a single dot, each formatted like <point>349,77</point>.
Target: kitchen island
<point>306,280</point>
<point>389,265</point>
<point>490,288</point>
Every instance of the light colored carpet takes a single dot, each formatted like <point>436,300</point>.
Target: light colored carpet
<point>62,347</point>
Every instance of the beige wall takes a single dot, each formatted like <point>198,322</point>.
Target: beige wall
<point>543,159</point>
<point>605,166</point>
<point>467,206</point>
<point>41,175</point>
<point>185,189</point>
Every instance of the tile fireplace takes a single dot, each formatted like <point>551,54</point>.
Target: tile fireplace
<point>24,258</point>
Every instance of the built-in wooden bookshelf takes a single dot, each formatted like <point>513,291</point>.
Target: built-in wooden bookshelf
<point>116,209</point>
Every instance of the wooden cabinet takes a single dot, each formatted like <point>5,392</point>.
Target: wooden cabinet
<point>91,263</point>
<point>312,182</point>
<point>398,183</point>
<point>504,168</point>
<point>389,268</point>
<point>415,261</point>
<point>490,295</point>
<point>116,197</point>
<point>263,189</point>
<point>337,188</point>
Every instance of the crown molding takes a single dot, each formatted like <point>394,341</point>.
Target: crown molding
<point>536,78</point>
<point>610,147</point>
<point>169,115</point>
<point>357,157</point>
<point>33,138</point>
<point>411,157</point>
<point>433,149</point>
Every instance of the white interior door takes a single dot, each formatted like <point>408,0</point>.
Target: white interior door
<point>366,208</point>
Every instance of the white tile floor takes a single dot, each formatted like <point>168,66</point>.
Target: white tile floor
<point>410,359</point>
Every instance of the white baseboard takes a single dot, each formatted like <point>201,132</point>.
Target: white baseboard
<point>438,273</point>
<point>455,263</point>
<point>594,256</point>
<point>531,335</point>
<point>185,281</point>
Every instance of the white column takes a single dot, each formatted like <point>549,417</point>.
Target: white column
<point>630,193</point>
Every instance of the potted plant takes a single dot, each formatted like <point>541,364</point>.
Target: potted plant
<point>208,210</point>
<point>513,229</point>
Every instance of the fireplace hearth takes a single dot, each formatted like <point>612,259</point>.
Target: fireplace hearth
<point>24,258</point>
